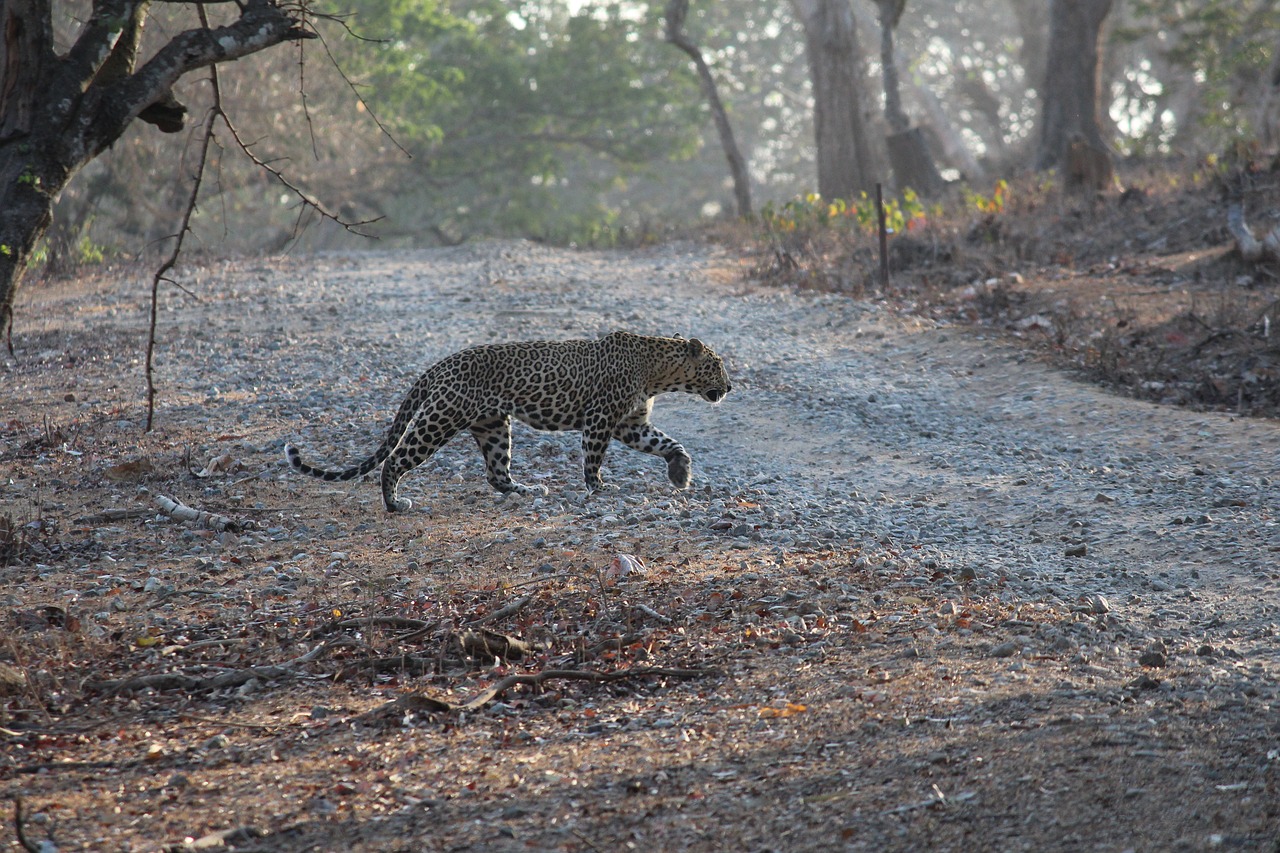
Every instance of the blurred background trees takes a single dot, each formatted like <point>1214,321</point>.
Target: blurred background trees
<point>577,122</point>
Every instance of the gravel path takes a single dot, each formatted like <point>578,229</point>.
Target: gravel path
<point>1053,606</point>
<point>846,422</point>
<point>884,426</point>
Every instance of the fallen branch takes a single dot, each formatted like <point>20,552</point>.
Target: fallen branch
<point>221,681</point>
<point>418,701</point>
<point>1251,248</point>
<point>208,520</point>
<point>503,612</point>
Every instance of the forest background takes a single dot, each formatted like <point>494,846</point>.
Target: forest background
<point>581,124</point>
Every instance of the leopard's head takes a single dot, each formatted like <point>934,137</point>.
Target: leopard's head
<point>709,379</point>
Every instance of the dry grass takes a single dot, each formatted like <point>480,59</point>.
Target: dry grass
<point>1140,290</point>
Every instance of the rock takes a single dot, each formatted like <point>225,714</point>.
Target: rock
<point>1005,650</point>
<point>1092,603</point>
<point>1155,655</point>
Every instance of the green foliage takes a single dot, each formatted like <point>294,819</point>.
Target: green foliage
<point>811,212</point>
<point>987,204</point>
<point>1218,48</point>
<point>525,120</point>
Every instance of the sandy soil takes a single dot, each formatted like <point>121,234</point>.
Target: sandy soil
<point>927,592</point>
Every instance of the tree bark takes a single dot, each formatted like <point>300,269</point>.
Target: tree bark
<point>675,15</point>
<point>57,113</point>
<point>913,165</point>
<point>836,70</point>
<point>1033,25</point>
<point>1070,129</point>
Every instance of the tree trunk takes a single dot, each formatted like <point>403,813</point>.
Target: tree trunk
<point>913,166</point>
<point>836,71</point>
<point>57,113</point>
<point>675,15</point>
<point>1070,131</point>
<point>1033,26</point>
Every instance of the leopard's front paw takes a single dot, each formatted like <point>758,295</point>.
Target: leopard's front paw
<point>678,470</point>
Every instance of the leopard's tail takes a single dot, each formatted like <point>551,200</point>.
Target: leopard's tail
<point>294,456</point>
<point>404,417</point>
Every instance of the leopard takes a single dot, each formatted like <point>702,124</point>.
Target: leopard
<point>603,388</point>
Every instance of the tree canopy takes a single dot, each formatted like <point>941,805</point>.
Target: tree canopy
<point>573,123</point>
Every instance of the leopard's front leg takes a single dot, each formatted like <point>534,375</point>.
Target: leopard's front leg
<point>637,433</point>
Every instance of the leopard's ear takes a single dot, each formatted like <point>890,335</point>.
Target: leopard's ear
<point>695,348</point>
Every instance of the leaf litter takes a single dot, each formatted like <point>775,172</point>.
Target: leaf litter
<point>547,674</point>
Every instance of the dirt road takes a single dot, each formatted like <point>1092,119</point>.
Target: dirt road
<point>947,597</point>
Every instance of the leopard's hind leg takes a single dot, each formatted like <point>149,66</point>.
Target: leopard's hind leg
<point>494,439</point>
<point>434,425</point>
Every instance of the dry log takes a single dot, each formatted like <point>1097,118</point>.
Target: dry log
<point>422,702</point>
<point>208,520</point>
<point>1251,248</point>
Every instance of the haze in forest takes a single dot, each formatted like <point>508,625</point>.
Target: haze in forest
<point>580,123</point>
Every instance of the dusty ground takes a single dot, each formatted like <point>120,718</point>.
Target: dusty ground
<point>927,592</point>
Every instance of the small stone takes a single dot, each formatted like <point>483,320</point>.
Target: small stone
<point>1093,604</point>
<point>1076,551</point>
<point>1154,658</point>
<point>217,742</point>
<point>1005,650</point>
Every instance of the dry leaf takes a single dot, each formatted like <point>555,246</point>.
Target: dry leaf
<point>621,566</point>
<point>221,463</point>
<point>131,471</point>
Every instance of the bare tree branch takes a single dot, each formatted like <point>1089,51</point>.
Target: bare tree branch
<point>162,272</point>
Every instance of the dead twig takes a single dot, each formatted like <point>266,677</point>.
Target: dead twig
<point>503,612</point>
<point>209,520</point>
<point>537,679</point>
<point>20,829</point>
